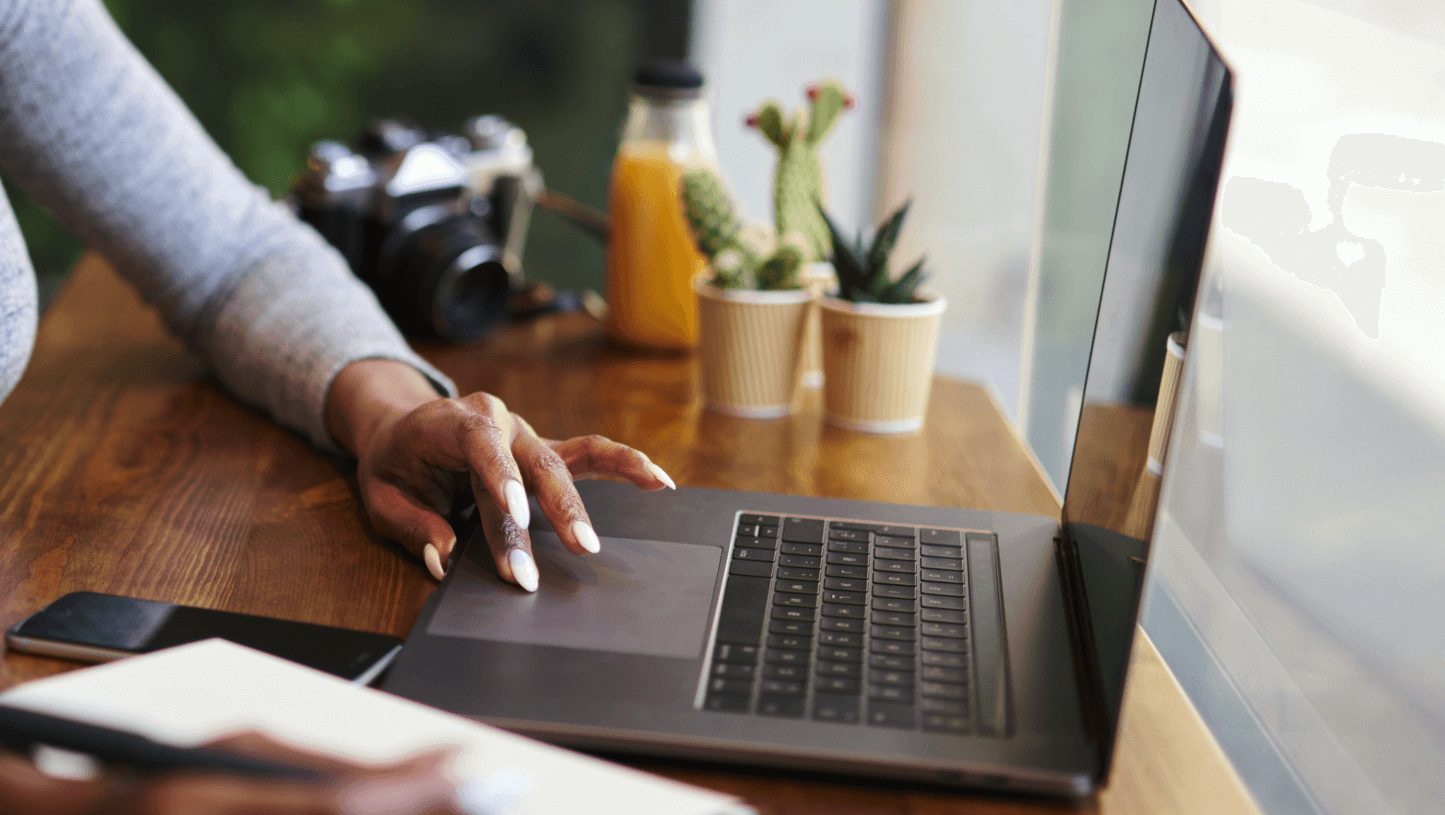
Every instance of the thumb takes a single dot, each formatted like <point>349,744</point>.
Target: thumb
<point>399,516</point>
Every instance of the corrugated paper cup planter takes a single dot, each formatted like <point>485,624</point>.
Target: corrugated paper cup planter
<point>751,348</point>
<point>879,337</point>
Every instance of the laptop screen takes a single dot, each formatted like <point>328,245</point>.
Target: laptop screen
<point>1151,277</point>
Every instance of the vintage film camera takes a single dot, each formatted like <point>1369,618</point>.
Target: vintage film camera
<point>434,223</point>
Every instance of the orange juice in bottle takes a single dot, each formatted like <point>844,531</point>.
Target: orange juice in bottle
<point>651,258</point>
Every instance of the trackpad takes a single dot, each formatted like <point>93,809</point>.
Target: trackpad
<point>634,597</point>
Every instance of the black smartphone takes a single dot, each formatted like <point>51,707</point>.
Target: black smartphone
<point>92,627</point>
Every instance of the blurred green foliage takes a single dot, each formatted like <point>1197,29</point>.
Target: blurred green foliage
<point>268,77</point>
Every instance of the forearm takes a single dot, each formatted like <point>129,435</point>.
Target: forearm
<point>369,392</point>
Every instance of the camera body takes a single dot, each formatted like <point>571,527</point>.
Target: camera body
<point>434,223</point>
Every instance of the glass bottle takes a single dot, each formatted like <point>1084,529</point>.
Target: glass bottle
<point>651,258</point>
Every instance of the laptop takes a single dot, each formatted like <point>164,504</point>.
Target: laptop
<point>929,644</point>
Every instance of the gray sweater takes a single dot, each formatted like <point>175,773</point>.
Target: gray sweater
<point>90,130</point>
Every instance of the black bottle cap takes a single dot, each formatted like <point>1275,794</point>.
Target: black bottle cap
<point>669,77</point>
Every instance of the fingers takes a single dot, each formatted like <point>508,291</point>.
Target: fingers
<point>401,516</point>
<point>550,479</point>
<point>599,455</point>
<point>511,547</point>
<point>487,445</point>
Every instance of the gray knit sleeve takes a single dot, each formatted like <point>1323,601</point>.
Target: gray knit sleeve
<point>91,131</point>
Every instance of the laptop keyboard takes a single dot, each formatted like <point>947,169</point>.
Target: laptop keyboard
<point>845,621</point>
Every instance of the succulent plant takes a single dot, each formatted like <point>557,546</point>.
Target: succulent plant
<point>741,257</point>
<point>863,273</point>
<point>798,182</point>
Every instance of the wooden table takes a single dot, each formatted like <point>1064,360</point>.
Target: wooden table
<point>127,469</point>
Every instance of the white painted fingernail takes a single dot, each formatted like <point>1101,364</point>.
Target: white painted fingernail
<point>433,560</point>
<point>582,531</point>
<point>524,569</point>
<point>517,503</point>
<point>660,475</point>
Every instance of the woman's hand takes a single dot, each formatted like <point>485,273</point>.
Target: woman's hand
<point>410,446</point>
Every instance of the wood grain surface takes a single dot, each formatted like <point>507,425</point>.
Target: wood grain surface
<point>127,469</point>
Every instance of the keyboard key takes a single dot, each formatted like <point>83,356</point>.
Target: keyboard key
<point>950,589</point>
<point>889,540</point>
<point>794,573</point>
<point>939,551</point>
<point>797,586</point>
<point>906,592</point>
<point>949,646</point>
<point>895,566</point>
<point>892,618</point>
<point>782,687</point>
<point>811,549</point>
<point>857,547</point>
<point>793,673</point>
<point>728,670</point>
<point>938,723</point>
<point>847,559</point>
<point>890,663</point>
<point>841,639</point>
<point>841,624</point>
<point>799,560</point>
<point>860,572</point>
<point>893,632</point>
<point>837,684</point>
<point>890,553</point>
<point>797,614</point>
<point>885,715</point>
<point>772,520</point>
<point>950,707</point>
<point>794,600</point>
<point>944,690</point>
<point>837,653</point>
<point>893,604</point>
<point>879,529</point>
<point>727,652</point>
<point>847,535</point>
<point>942,576</point>
<point>752,568</point>
<point>902,679</point>
<point>935,601</point>
<point>754,554</point>
<point>767,531</point>
<point>945,660</point>
<point>727,704</point>
<point>785,657</point>
<point>842,610</point>
<point>945,630</point>
<point>803,530</point>
<point>850,670</point>
<point>935,673</point>
<point>891,693</point>
<point>730,687</point>
<point>951,563</point>
<point>846,583</point>
<point>747,530</point>
<point>852,598</point>
<point>788,706</point>
<point>938,615</point>
<point>898,648</point>
<point>740,620</point>
<point>945,537</point>
<point>896,578</point>
<point>755,543</point>
<point>830,708</point>
<point>793,627</point>
<point>790,643</point>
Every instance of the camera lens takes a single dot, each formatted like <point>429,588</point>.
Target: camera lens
<point>451,280</point>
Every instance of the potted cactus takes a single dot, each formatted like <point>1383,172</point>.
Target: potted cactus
<point>879,335</point>
<point>755,306</point>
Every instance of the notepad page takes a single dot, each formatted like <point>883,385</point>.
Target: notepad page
<point>195,693</point>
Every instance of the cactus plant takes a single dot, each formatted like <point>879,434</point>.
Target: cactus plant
<point>863,273</point>
<point>740,257</point>
<point>798,181</point>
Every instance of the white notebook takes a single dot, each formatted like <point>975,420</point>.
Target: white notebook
<point>192,694</point>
